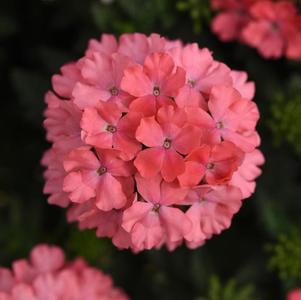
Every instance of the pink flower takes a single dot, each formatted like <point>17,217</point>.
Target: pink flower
<point>167,138</point>
<point>268,31</point>
<point>96,175</point>
<point>240,83</point>
<point>137,46</point>
<point>202,72</point>
<point>233,18</point>
<point>106,45</point>
<point>104,126</point>
<point>294,295</point>
<point>98,87</point>
<point>62,122</point>
<point>63,84</point>
<point>153,84</point>
<point>140,129</point>
<point>52,278</point>
<point>54,176</point>
<point>152,218</point>
<point>234,118</point>
<point>211,211</point>
<point>244,177</point>
<point>215,165</point>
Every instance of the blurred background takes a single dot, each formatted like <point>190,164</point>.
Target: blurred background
<point>259,257</point>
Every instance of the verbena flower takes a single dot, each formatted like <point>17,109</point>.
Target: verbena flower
<point>47,276</point>
<point>272,27</point>
<point>294,295</point>
<point>153,142</point>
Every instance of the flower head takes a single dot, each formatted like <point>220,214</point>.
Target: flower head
<point>154,142</point>
<point>46,275</point>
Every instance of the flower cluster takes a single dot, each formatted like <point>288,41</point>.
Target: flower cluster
<point>46,276</point>
<point>272,27</point>
<point>294,295</point>
<point>154,142</point>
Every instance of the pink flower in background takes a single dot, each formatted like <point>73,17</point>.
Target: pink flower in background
<point>153,143</point>
<point>272,27</point>
<point>233,18</point>
<point>294,295</point>
<point>46,275</point>
<point>268,31</point>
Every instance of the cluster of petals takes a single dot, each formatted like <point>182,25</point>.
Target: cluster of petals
<point>294,295</point>
<point>272,27</point>
<point>47,276</point>
<point>153,142</point>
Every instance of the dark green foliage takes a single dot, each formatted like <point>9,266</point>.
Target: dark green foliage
<point>286,112</point>
<point>36,38</point>
<point>229,291</point>
<point>199,11</point>
<point>286,256</point>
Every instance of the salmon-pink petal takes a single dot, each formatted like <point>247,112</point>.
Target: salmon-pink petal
<point>192,58</point>
<point>107,224</point>
<point>247,142</point>
<point>107,44</point>
<point>80,158</point>
<point>150,133</point>
<point>146,106</point>
<point>149,162</point>
<point>227,25</point>
<point>23,292</point>
<point>187,139</point>
<point>188,97</point>
<point>109,193</point>
<point>248,114</point>
<point>122,240</point>
<point>176,223</point>
<point>194,173</point>
<point>218,74</point>
<point>103,140</point>
<point>200,154</point>
<point>129,123</point>
<point>63,84</point>
<point>169,114</point>
<point>94,68</point>
<point>245,88</point>
<point>173,165</point>
<point>135,213</point>
<point>172,85</point>
<point>158,66</point>
<point>24,271</point>
<point>149,188</point>
<point>46,258</point>
<point>294,294</point>
<point>196,234</point>
<point>91,122</point>
<point>129,147</point>
<point>78,191</point>
<point>172,193</point>
<point>110,112</point>
<point>6,280</point>
<point>199,117</point>
<point>220,100</point>
<point>148,233</point>
<point>136,82</point>
<point>134,46</point>
<point>88,96</point>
